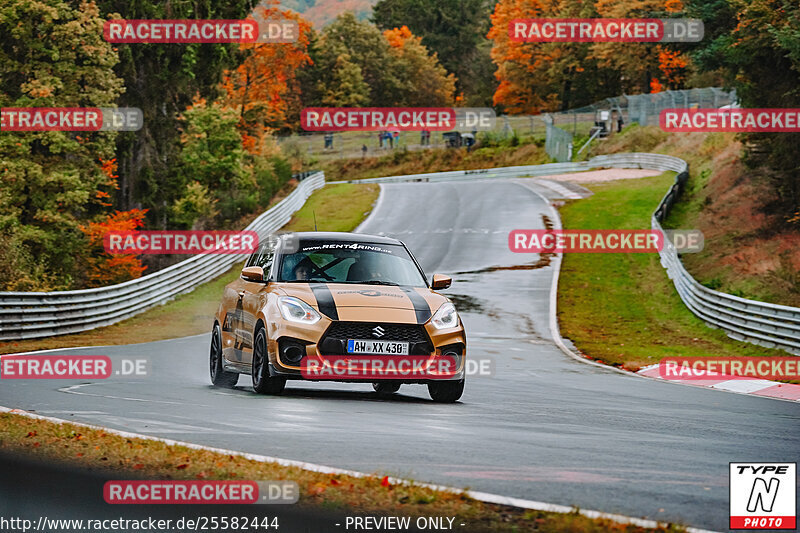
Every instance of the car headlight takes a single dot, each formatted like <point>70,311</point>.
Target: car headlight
<point>296,310</point>
<point>445,317</point>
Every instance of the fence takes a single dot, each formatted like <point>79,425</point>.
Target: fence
<point>558,143</point>
<point>643,109</point>
<point>27,315</point>
<point>764,324</point>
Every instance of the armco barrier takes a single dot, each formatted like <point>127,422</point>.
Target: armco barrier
<point>765,324</point>
<point>761,323</point>
<point>27,315</point>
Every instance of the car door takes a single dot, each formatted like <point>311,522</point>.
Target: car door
<point>252,297</point>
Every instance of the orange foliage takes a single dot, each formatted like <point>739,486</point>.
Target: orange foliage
<point>673,65</point>
<point>104,268</point>
<point>519,65</point>
<point>109,169</point>
<point>655,86</point>
<point>259,89</point>
<point>397,37</point>
<point>673,6</point>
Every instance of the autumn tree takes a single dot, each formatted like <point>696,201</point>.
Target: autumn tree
<point>162,80</point>
<point>348,40</point>
<point>524,84</point>
<point>219,180</point>
<point>579,77</point>
<point>100,268</point>
<point>52,55</point>
<point>426,82</point>
<point>455,31</point>
<point>343,84</point>
<point>638,64</point>
<point>262,87</point>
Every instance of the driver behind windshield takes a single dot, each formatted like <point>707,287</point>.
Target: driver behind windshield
<point>366,268</point>
<point>302,271</point>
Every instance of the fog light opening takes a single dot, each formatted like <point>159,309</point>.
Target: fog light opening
<point>292,353</point>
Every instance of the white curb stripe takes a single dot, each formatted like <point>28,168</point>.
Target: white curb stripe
<point>744,385</point>
<point>560,189</point>
<point>480,496</point>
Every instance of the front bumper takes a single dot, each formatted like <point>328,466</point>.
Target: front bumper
<point>328,341</point>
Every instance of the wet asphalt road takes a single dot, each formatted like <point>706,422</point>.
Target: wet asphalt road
<point>543,427</point>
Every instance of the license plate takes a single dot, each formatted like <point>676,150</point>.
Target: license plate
<point>379,347</point>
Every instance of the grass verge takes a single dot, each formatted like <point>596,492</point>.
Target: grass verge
<point>337,208</point>
<point>103,452</point>
<point>622,309</point>
<point>749,250</point>
<point>527,150</point>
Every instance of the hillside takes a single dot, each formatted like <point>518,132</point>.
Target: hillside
<point>749,251</point>
<point>321,12</point>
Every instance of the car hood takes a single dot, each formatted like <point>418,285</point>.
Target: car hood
<point>355,302</point>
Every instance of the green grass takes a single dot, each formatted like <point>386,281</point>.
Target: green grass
<point>622,308</point>
<point>337,208</point>
<point>748,254</point>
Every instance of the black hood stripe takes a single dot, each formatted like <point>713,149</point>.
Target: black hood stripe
<point>325,302</point>
<point>421,307</point>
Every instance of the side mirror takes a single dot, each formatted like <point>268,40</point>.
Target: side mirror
<point>253,274</point>
<point>440,281</point>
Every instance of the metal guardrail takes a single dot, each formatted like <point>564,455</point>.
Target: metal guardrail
<point>31,314</point>
<point>27,315</point>
<point>761,323</point>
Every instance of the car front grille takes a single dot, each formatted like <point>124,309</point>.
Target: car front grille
<point>335,339</point>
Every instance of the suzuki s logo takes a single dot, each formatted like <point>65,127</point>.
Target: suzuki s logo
<point>378,332</point>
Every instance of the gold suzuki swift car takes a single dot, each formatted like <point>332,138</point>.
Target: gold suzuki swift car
<point>305,297</point>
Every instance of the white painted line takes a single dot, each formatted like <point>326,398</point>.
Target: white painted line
<point>476,495</point>
<point>74,390</point>
<point>375,207</point>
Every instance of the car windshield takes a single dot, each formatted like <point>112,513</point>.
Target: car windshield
<point>348,262</point>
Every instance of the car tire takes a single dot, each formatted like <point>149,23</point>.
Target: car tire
<point>446,391</point>
<point>263,383</point>
<point>219,377</point>
<point>385,388</point>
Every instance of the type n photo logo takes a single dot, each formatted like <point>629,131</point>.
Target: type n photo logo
<point>763,495</point>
